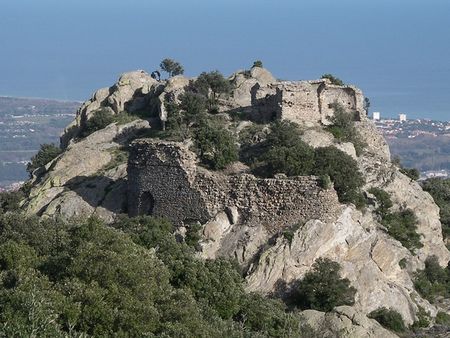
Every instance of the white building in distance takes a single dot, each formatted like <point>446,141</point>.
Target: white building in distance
<point>376,116</point>
<point>402,117</point>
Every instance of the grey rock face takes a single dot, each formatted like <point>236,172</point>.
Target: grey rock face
<point>244,217</point>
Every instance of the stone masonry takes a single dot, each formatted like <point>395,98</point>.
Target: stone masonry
<point>165,181</point>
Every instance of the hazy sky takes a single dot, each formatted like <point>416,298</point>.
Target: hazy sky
<point>396,51</point>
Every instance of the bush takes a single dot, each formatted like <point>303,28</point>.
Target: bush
<point>343,171</point>
<point>383,199</point>
<point>212,85</point>
<point>439,189</point>
<point>217,146</point>
<point>443,318</point>
<point>389,319</point>
<point>334,80</point>
<point>283,151</point>
<point>433,280</point>
<point>10,201</point>
<point>402,225</point>
<point>412,173</point>
<point>46,153</point>
<point>100,119</point>
<point>343,127</point>
<point>172,67</point>
<point>257,63</point>
<point>323,288</point>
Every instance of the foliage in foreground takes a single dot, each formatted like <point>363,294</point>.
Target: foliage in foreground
<point>283,151</point>
<point>433,281</point>
<point>132,279</point>
<point>343,127</point>
<point>388,318</point>
<point>323,288</point>
<point>402,225</point>
<point>439,189</point>
<point>334,80</point>
<point>46,153</point>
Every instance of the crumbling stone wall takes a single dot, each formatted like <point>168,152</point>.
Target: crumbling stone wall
<point>303,102</point>
<point>165,181</point>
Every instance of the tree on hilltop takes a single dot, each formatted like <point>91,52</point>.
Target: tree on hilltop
<point>171,67</point>
<point>334,80</point>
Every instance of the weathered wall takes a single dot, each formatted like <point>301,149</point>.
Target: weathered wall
<point>303,102</point>
<point>164,181</point>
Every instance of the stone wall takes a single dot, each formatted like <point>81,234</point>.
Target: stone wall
<point>165,181</point>
<point>303,102</point>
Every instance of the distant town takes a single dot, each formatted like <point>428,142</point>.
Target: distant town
<point>419,139</point>
<point>27,123</point>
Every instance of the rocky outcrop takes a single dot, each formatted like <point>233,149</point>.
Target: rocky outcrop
<point>344,322</point>
<point>89,178</point>
<point>242,216</point>
<point>133,92</point>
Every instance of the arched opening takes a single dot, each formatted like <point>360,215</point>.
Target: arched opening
<point>147,203</point>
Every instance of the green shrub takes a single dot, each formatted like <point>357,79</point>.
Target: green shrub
<point>383,199</point>
<point>171,67</point>
<point>402,263</point>
<point>423,319</point>
<point>46,153</point>
<point>10,201</point>
<point>193,234</point>
<point>412,173</point>
<point>389,318</point>
<point>289,232</point>
<point>217,146</point>
<point>212,85</point>
<point>439,189</point>
<point>100,119</point>
<point>324,181</point>
<point>433,280</point>
<point>282,151</point>
<point>443,318</point>
<point>334,80</point>
<point>343,127</point>
<point>323,288</point>
<point>257,63</point>
<point>343,171</point>
<point>402,225</point>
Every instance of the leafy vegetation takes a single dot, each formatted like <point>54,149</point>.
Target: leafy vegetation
<point>323,288</point>
<point>101,118</point>
<point>433,281</point>
<point>343,127</point>
<point>402,225</point>
<point>10,200</point>
<point>171,67</point>
<point>439,189</point>
<point>283,151</point>
<point>443,318</point>
<point>412,173</point>
<point>334,80</point>
<point>216,145</point>
<point>257,63</point>
<point>383,199</point>
<point>389,318</point>
<point>343,171</point>
<point>132,279</point>
<point>46,153</point>
<point>212,85</point>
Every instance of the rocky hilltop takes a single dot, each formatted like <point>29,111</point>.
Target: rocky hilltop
<point>127,167</point>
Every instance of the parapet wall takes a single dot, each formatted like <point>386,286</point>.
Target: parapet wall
<point>165,181</point>
<point>303,102</point>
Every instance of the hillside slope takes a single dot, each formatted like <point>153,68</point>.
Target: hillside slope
<point>275,225</point>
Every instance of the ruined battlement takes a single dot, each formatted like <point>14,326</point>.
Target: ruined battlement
<point>164,180</point>
<point>304,102</point>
